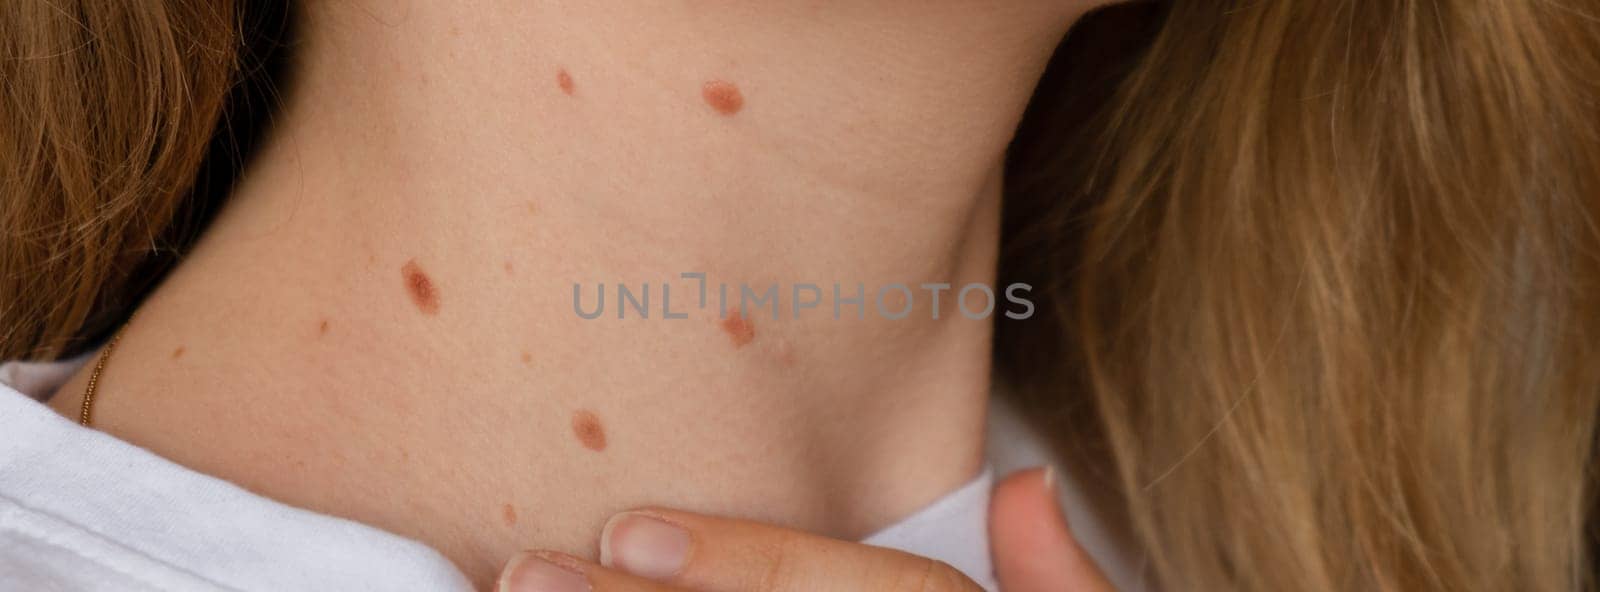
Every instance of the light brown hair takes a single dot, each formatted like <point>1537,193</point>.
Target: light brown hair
<point>1322,275</point>
<point>1329,274</point>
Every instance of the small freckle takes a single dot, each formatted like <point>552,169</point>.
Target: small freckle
<point>895,300</point>
<point>322,328</point>
<point>564,80</point>
<point>404,455</point>
<point>423,292</point>
<point>532,209</point>
<point>508,513</point>
<point>586,426</point>
<point>739,329</point>
<point>508,267</point>
<point>784,351</point>
<point>178,353</point>
<point>723,96</point>
<point>455,31</point>
<point>527,358</point>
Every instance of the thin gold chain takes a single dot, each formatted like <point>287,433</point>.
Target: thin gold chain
<point>94,376</point>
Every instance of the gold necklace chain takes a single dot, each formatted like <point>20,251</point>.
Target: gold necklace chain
<point>94,376</point>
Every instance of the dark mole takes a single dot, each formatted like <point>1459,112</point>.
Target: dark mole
<point>322,328</point>
<point>586,426</point>
<point>508,513</point>
<point>723,96</point>
<point>178,353</point>
<point>421,287</point>
<point>564,80</point>
<point>741,330</point>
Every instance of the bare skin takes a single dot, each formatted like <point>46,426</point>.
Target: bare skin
<point>445,137</point>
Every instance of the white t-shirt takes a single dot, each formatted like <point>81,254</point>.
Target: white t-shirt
<point>81,510</point>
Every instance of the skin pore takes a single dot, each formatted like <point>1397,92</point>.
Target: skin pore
<point>380,325</point>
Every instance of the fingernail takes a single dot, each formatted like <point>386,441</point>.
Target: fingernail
<point>643,545</point>
<point>540,572</point>
<point>1052,485</point>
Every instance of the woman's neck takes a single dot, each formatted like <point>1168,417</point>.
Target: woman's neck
<point>382,325</point>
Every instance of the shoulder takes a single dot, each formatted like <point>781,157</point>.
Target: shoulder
<point>41,552</point>
<point>82,510</point>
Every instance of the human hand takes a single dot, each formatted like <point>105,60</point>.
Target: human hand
<point>660,550</point>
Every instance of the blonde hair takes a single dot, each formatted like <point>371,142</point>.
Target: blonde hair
<point>1323,274</point>
<point>1329,270</point>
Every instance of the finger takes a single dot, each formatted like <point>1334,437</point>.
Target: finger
<point>725,555</point>
<point>548,571</point>
<point>1031,543</point>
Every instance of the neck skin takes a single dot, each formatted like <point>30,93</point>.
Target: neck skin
<point>287,355</point>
